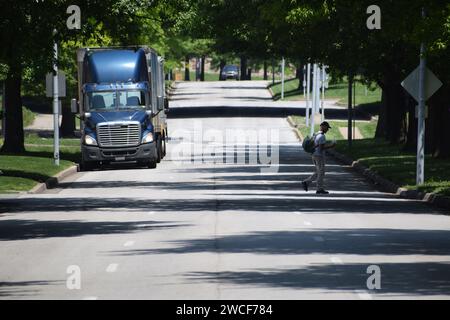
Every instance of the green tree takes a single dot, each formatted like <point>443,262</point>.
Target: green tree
<point>26,30</point>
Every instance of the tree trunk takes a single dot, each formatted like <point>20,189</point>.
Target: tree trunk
<point>299,76</point>
<point>440,110</point>
<point>14,136</point>
<point>381,124</point>
<point>249,74</point>
<point>243,68</point>
<point>68,121</point>
<point>187,74</point>
<point>395,110</point>
<point>202,71</point>
<point>411,139</point>
<point>222,65</point>
<point>265,70</point>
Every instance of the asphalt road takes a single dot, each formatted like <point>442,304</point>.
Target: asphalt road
<point>209,223</point>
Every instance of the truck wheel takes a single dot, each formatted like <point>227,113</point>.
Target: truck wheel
<point>152,164</point>
<point>87,165</point>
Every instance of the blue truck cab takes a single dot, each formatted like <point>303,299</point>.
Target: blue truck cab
<point>122,106</point>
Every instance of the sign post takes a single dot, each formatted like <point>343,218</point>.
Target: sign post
<point>420,168</point>
<point>313,106</point>
<point>282,78</point>
<point>350,110</point>
<point>421,84</point>
<point>3,109</point>
<point>324,79</point>
<point>304,82</point>
<point>55,105</point>
<point>308,86</point>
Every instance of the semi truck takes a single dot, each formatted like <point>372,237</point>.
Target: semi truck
<point>122,106</point>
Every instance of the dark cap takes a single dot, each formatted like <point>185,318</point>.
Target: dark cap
<point>325,124</point>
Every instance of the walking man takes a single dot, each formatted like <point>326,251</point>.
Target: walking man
<point>318,158</point>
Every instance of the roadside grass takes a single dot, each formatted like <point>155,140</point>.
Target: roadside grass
<point>339,91</point>
<point>34,139</point>
<point>291,90</point>
<point>214,76</point>
<point>28,116</point>
<point>389,161</point>
<point>399,166</point>
<point>367,128</point>
<point>209,76</point>
<point>21,172</point>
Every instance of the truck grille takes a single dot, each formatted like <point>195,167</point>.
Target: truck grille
<point>112,134</point>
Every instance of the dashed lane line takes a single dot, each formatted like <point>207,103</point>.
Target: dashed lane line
<point>336,260</point>
<point>112,268</point>
<point>128,244</point>
<point>363,295</point>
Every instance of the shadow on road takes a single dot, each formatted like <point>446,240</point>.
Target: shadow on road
<point>12,230</point>
<point>417,279</point>
<point>355,241</point>
<point>255,111</point>
<point>308,205</point>
<point>22,288</point>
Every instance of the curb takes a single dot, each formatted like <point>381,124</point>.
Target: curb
<point>270,91</point>
<point>389,186</point>
<point>294,128</point>
<point>52,182</point>
<point>171,88</point>
<point>383,183</point>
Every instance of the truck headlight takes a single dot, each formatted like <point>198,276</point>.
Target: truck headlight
<point>148,138</point>
<point>89,141</point>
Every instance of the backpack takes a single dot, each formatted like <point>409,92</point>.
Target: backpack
<point>308,144</point>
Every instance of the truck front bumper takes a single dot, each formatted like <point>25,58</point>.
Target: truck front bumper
<point>145,152</point>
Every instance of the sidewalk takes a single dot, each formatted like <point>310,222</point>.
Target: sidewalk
<point>43,122</point>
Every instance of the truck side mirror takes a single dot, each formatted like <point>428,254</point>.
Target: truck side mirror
<point>74,106</point>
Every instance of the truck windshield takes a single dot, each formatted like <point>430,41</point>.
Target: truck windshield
<point>115,100</point>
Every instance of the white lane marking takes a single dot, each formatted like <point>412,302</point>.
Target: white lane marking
<point>319,239</point>
<point>90,298</point>
<point>363,295</point>
<point>336,260</point>
<point>307,223</point>
<point>151,213</point>
<point>298,213</point>
<point>128,244</point>
<point>156,201</point>
<point>112,267</point>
